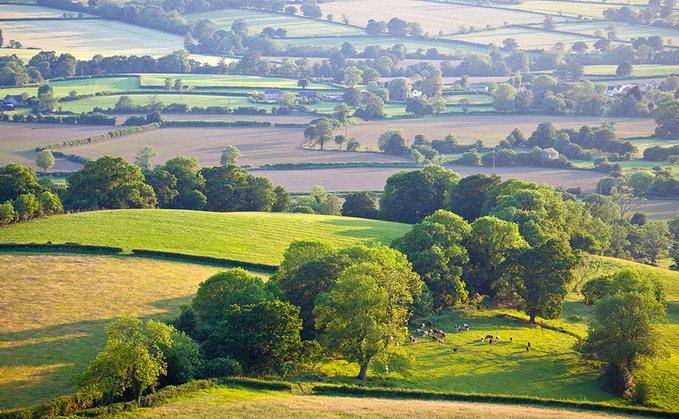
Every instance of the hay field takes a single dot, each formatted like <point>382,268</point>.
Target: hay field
<point>491,128</point>
<point>18,142</point>
<point>86,38</point>
<point>297,26</point>
<point>249,403</point>
<point>526,38</point>
<point>374,178</point>
<point>258,146</point>
<point>571,9</point>
<point>53,310</point>
<point>433,17</point>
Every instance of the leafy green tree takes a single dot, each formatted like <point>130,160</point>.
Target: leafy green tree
<point>368,306</point>
<point>319,131</point>
<point>230,155</point>
<point>189,182</point>
<point>49,203</point>
<point>373,108</point>
<point>503,97</point>
<point>144,158</point>
<point>360,205</point>
<point>108,182</point>
<point>400,89</point>
<point>221,290</point>
<point>131,360</point>
<point>539,277</point>
<point>623,335</point>
<point>303,83</point>
<point>46,99</point>
<point>468,195</point>
<point>434,248</point>
<point>624,69</point>
<point>392,142</point>
<point>410,196</point>
<point>655,240</point>
<point>229,188</point>
<point>283,199</point>
<point>352,76</point>
<point>667,118</point>
<point>490,242</point>
<point>264,338</point>
<point>164,186</point>
<point>302,285</point>
<point>182,358</point>
<point>26,206</point>
<point>45,159</point>
<point>6,213</point>
<point>432,85</point>
<point>17,180</point>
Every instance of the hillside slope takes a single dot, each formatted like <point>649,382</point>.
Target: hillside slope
<point>226,235</point>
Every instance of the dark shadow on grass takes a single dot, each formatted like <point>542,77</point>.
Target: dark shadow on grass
<point>59,354</point>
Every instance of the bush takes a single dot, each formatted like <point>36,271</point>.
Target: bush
<point>222,367</point>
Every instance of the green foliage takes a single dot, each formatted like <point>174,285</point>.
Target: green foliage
<point>360,205</point>
<point>410,196</point>
<point>434,248</point>
<point>467,196</point>
<point>17,180</point>
<point>264,338</point>
<point>108,182</point>
<point>144,158</point>
<point>183,359</point>
<point>230,155</point>
<point>220,291</point>
<point>6,213</point>
<point>229,188</point>
<point>392,142</point>
<point>283,199</point>
<point>50,203</point>
<point>101,137</point>
<point>26,206</point>
<point>223,367</point>
<point>132,359</point>
<point>45,159</point>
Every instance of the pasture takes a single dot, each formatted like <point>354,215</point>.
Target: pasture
<point>18,142</point>
<point>297,26</point>
<point>83,86</point>
<point>492,128</point>
<point>258,146</point>
<point>640,70</point>
<point>434,17</point>
<point>223,235</point>
<point>374,178</point>
<point>250,403</point>
<point>237,81</point>
<point>86,38</point>
<point>53,319</point>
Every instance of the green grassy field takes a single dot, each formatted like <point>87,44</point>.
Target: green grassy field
<point>226,235</point>
<point>625,31</point>
<point>53,320</point>
<point>249,403</point>
<point>570,9</point>
<point>62,88</point>
<point>14,11</point>
<point>240,81</point>
<point>297,26</point>
<point>640,70</point>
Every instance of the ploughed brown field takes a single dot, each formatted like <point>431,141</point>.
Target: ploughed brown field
<point>374,178</point>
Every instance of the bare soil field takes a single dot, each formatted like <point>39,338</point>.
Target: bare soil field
<point>490,128</point>
<point>18,142</point>
<point>280,119</point>
<point>374,178</point>
<point>433,17</point>
<point>258,146</point>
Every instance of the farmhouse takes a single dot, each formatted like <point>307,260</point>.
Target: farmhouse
<point>272,94</point>
<point>14,100</point>
<point>306,94</point>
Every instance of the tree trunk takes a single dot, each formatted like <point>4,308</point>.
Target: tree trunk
<point>363,374</point>
<point>532,318</point>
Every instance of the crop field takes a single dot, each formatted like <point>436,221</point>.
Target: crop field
<point>53,320</point>
<point>240,81</point>
<point>258,146</point>
<point>433,17</point>
<point>640,70</point>
<point>659,209</point>
<point>18,141</point>
<point>24,11</point>
<point>491,129</point>
<point>571,9</point>
<point>374,178</point>
<point>525,37</point>
<point>249,403</point>
<point>224,235</point>
<point>86,38</point>
<point>297,26</point>
<point>625,31</point>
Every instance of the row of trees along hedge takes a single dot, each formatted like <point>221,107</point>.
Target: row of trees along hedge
<point>100,137</point>
<point>85,118</point>
<point>24,197</point>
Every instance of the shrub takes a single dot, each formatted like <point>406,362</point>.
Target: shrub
<point>222,367</point>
